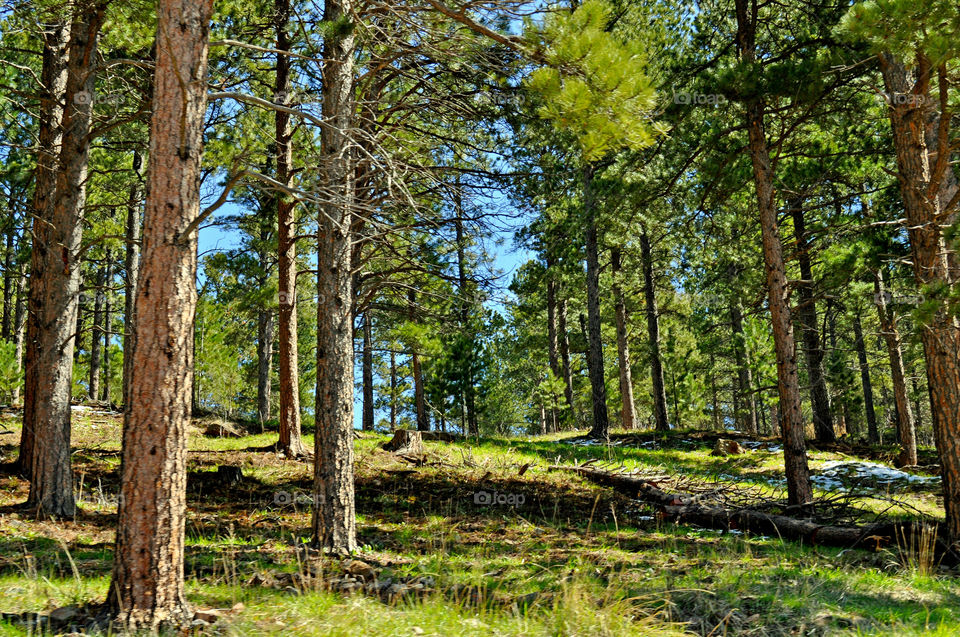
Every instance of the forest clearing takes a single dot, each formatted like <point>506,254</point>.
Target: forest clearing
<point>573,558</point>
<point>499,317</point>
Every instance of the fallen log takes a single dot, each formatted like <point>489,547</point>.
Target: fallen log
<point>684,509</point>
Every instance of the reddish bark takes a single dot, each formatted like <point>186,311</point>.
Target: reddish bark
<point>147,589</point>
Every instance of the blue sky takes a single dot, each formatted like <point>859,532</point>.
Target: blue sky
<point>507,258</point>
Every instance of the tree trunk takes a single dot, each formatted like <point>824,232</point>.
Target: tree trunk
<point>469,393</point>
<point>872,432</point>
<point>55,279</point>
<point>419,394</point>
<point>598,387</point>
<point>628,409</point>
<point>291,441</point>
<point>96,335</point>
<point>905,422</point>
<point>107,329</point>
<point>653,336</point>
<point>367,373</point>
<point>565,367</point>
<point>807,318</point>
<point>929,190</point>
<point>8,258</point>
<point>748,415</point>
<point>264,364</point>
<point>843,421</point>
<point>393,390</point>
<point>799,491</point>
<point>20,325</point>
<point>553,356</point>
<point>715,401</point>
<point>334,518</point>
<point>49,136</point>
<point>132,269</point>
<point>147,588</point>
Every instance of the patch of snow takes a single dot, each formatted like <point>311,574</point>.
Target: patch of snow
<point>833,476</point>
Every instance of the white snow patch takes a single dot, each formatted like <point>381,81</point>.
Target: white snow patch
<point>832,475</point>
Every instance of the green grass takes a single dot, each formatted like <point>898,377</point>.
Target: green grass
<point>574,559</point>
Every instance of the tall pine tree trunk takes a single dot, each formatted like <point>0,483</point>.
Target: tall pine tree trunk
<point>20,328</point>
<point>264,364</point>
<point>628,410</point>
<point>553,354</point>
<point>49,137</point>
<point>8,275</point>
<point>132,273</point>
<point>393,390</point>
<point>469,390</point>
<point>799,490</point>
<point>928,188</point>
<point>147,588</point>
<point>565,367</point>
<point>419,393</point>
<point>653,336</point>
<point>747,399</point>
<point>872,432</point>
<point>55,278</point>
<point>96,335</point>
<point>107,329</point>
<point>891,335</point>
<point>807,317</point>
<point>367,421</point>
<point>595,367</point>
<point>290,442</point>
<point>334,518</point>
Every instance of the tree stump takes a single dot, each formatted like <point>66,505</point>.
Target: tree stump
<point>406,442</point>
<point>229,475</point>
<point>726,448</point>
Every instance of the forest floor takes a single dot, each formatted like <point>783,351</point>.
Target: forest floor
<point>556,556</point>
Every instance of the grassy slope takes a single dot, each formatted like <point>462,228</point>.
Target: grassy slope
<point>574,559</point>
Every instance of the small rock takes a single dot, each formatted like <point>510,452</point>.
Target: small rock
<point>725,447</point>
<point>210,615</point>
<point>360,569</point>
<point>64,614</point>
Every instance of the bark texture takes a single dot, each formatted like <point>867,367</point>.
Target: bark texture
<point>553,355</point>
<point>49,136</point>
<point>891,336</point>
<point>745,405</point>
<point>799,491</point>
<point>264,364</point>
<point>334,517</point>
<point>367,420</point>
<point>96,335</point>
<point>419,393</point>
<point>930,193</point>
<point>595,367</point>
<point>628,414</point>
<point>807,318</point>
<point>132,269</point>
<point>661,420</point>
<point>55,279</point>
<point>290,441</point>
<point>147,588</point>
<point>873,433</point>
